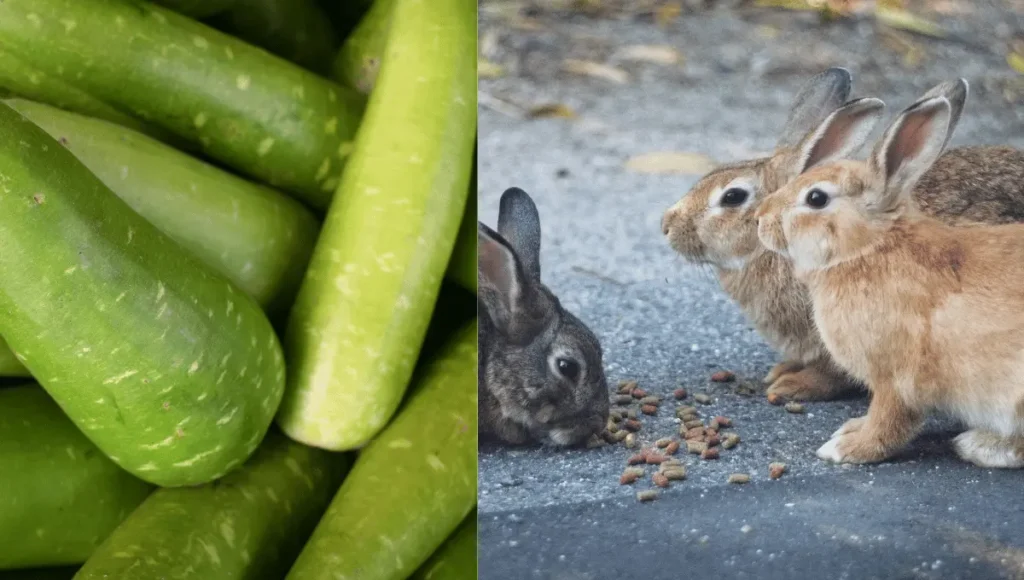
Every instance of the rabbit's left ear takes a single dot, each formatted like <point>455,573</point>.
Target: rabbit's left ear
<point>519,223</point>
<point>501,280</point>
<point>909,147</point>
<point>841,134</point>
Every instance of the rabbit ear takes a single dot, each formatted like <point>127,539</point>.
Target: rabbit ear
<point>821,94</point>
<point>519,223</point>
<point>501,278</point>
<point>910,146</point>
<point>956,92</point>
<point>841,134</point>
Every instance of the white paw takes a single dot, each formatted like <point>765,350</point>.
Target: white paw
<point>989,450</point>
<point>830,450</point>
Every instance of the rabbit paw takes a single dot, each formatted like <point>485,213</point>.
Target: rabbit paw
<point>852,443</point>
<point>807,384</point>
<point>986,449</point>
<point>783,368</point>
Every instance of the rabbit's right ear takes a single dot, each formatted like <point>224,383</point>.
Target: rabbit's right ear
<point>956,93</point>
<point>841,134</point>
<point>821,94</point>
<point>501,278</point>
<point>519,224</point>
<point>909,147</point>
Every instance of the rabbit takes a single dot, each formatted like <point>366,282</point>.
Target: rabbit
<point>929,315</point>
<point>714,224</point>
<point>541,372</point>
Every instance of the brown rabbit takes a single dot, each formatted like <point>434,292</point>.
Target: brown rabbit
<point>930,316</point>
<point>714,224</point>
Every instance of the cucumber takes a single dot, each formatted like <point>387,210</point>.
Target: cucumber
<point>360,316</point>
<point>62,573</point>
<point>298,30</point>
<point>254,236</point>
<point>411,486</point>
<point>197,8</point>
<point>259,114</point>
<point>164,365</point>
<point>359,59</point>
<point>10,366</point>
<point>251,524</point>
<point>462,265</point>
<point>456,558</point>
<point>59,496</point>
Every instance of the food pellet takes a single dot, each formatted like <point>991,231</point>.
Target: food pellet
<point>671,448</point>
<point>739,478</point>
<point>680,411</point>
<point>620,435</point>
<point>713,440</point>
<point>794,407</point>
<point>626,387</point>
<point>615,415</point>
<point>608,436</point>
<point>679,394</point>
<point>651,400</point>
<point>654,458</point>
<point>713,425</point>
<point>670,463</point>
<point>662,443</point>
<point>630,440</point>
<point>660,480</point>
<point>631,413</point>
<point>647,495</point>
<point>675,474</point>
<point>639,471</point>
<point>696,447</point>
<point>709,453</point>
<point>611,427</point>
<point>649,410</point>
<point>723,421</point>
<point>639,393</point>
<point>636,459</point>
<point>723,377</point>
<point>694,424</point>
<point>702,399</point>
<point>775,470</point>
<point>628,478</point>
<point>731,440</point>
<point>695,434</point>
<point>623,399</point>
<point>631,425</point>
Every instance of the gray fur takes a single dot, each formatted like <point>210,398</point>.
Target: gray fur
<point>821,94</point>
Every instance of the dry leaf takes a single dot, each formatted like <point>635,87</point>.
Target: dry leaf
<point>486,69</point>
<point>903,20</point>
<point>671,162</point>
<point>656,53</point>
<point>1016,61</point>
<point>553,110</point>
<point>786,4</point>
<point>595,69</point>
<point>667,13</point>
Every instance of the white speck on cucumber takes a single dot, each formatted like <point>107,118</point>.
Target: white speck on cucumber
<point>371,190</point>
<point>199,120</point>
<point>120,297</point>
<point>265,146</point>
<point>229,53</point>
<point>160,291</point>
<point>400,444</point>
<point>272,495</point>
<point>193,368</point>
<point>211,551</point>
<point>35,20</point>
<point>203,396</point>
<point>200,42</point>
<point>191,461</point>
<point>131,232</point>
<point>145,467</point>
<point>158,444</point>
<point>435,462</point>
<point>228,532</point>
<point>160,312</point>
<point>227,418</point>
<point>331,126</point>
<point>220,379</point>
<point>118,378</point>
<point>69,24</point>
<point>242,82</point>
<point>321,172</point>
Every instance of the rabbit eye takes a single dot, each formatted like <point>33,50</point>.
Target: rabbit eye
<point>817,198</point>
<point>734,196</point>
<point>569,369</point>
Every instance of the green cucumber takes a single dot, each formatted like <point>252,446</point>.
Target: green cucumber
<point>298,30</point>
<point>359,319</point>
<point>412,485</point>
<point>59,496</point>
<point>462,265</point>
<point>359,59</point>
<point>254,236</point>
<point>161,362</point>
<point>10,366</point>
<point>197,8</point>
<point>259,114</point>
<point>250,524</point>
<point>62,573</point>
<point>456,558</point>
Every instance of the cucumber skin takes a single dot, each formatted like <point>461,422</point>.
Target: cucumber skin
<point>251,524</point>
<point>360,317</point>
<point>60,497</point>
<point>124,329</point>
<point>62,573</point>
<point>197,8</point>
<point>456,558</point>
<point>411,486</point>
<point>10,366</point>
<point>256,237</point>
<point>298,30</point>
<point>261,115</point>
<point>358,62</point>
<point>462,267</point>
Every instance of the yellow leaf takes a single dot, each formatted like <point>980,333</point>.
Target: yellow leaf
<point>671,162</point>
<point>903,20</point>
<point>595,69</point>
<point>786,4</point>
<point>553,110</point>
<point>667,13</point>
<point>486,69</point>
<point>1016,62</point>
<point>656,53</point>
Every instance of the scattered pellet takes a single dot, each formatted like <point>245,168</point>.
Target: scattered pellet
<point>723,421</point>
<point>660,480</point>
<point>623,399</point>
<point>731,440</point>
<point>631,425</point>
<point>695,434</point>
<point>647,495</point>
<point>775,399</point>
<point>709,431</point>
<point>794,407</point>
<point>626,387</point>
<point>713,440</point>
<point>620,435</point>
<point>723,377</point>
<point>702,399</point>
<point>639,393</point>
<point>615,415</point>
<point>649,409</point>
<point>628,478</point>
<point>675,473</point>
<point>655,458</point>
<point>775,470</point>
<point>651,400</point>
<point>631,413</point>
<point>636,459</point>
<point>611,427</point>
<point>739,478</point>
<point>709,453</point>
<point>671,448</point>
<point>630,441</point>
<point>679,394</point>
<point>609,436</point>
<point>662,443</point>
<point>670,463</point>
<point>680,411</point>
<point>696,447</point>
<point>694,424</point>
<point>713,425</point>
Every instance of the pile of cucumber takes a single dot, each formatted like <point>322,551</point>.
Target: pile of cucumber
<point>237,278</point>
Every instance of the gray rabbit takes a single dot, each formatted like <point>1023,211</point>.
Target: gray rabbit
<point>541,375</point>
